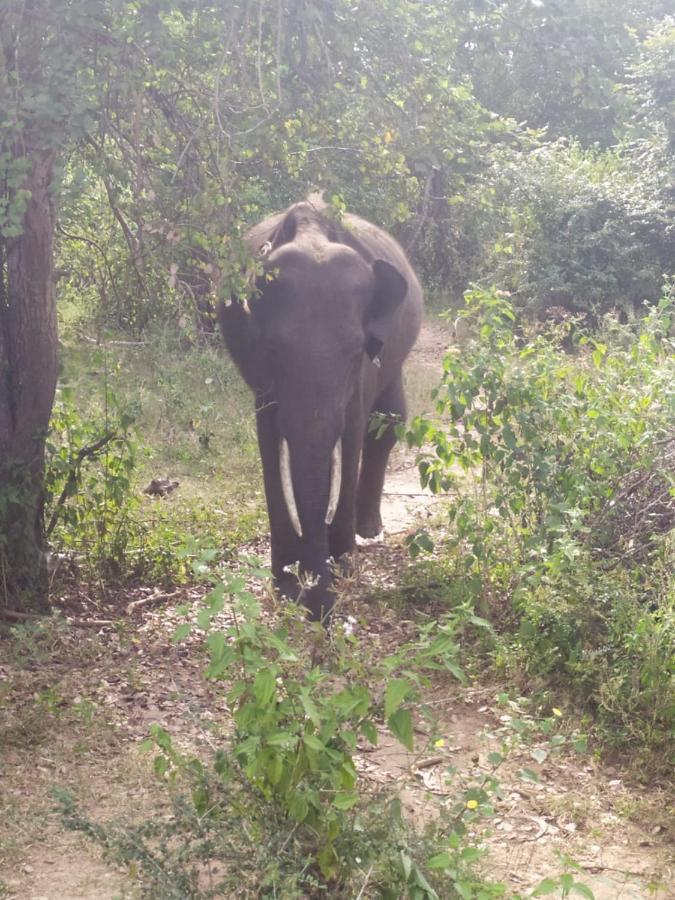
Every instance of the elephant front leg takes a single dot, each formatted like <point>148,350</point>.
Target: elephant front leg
<point>376,452</point>
<point>285,543</point>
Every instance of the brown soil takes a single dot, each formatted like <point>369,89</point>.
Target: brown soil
<point>73,713</point>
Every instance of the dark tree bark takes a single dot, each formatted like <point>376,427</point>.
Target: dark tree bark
<point>28,372</point>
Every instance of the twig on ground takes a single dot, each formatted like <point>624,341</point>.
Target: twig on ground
<point>91,340</point>
<point>365,883</point>
<point>14,615</point>
<point>429,762</point>
<point>152,598</point>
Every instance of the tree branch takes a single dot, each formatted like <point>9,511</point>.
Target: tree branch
<point>424,212</point>
<point>87,452</point>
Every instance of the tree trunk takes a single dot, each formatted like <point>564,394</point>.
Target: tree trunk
<point>28,371</point>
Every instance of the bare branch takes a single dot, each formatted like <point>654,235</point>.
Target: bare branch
<point>87,452</point>
<point>424,212</point>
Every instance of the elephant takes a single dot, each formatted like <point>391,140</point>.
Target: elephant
<point>321,342</point>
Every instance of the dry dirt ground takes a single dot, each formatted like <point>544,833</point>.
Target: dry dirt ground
<point>74,712</point>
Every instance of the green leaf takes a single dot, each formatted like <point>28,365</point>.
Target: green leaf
<point>298,807</point>
<point>161,737</point>
<point>528,775</point>
<point>181,632</point>
<point>282,647</point>
<point>406,864</point>
<point>204,617</point>
<point>216,643</point>
<point>328,861</point>
<point>421,881</point>
<point>440,861</point>
<point>310,708</point>
<point>454,840</point>
<point>470,854</point>
<point>566,882</point>
<point>348,774</point>
<point>455,670</point>
<point>235,585</point>
<point>400,725</point>
<point>346,800</point>
<point>539,754</point>
<point>370,732</point>
<point>264,686</point>
<point>216,595</point>
<point>397,690</point>
<point>509,437</point>
<point>281,739</point>
<point>580,743</point>
<point>312,742</point>
<point>580,888</point>
<point>200,799</point>
<point>547,886</point>
<point>275,769</point>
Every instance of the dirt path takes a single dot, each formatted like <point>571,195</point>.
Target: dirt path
<point>76,715</point>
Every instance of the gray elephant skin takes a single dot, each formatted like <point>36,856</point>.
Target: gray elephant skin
<point>321,342</point>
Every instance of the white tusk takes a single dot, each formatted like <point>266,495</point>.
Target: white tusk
<point>287,486</point>
<point>335,481</point>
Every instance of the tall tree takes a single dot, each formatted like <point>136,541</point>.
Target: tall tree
<point>45,49</point>
<point>28,340</point>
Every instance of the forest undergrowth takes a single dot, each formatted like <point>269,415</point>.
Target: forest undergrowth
<point>495,680</point>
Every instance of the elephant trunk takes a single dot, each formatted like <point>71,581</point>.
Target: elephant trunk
<point>311,479</point>
<point>288,490</point>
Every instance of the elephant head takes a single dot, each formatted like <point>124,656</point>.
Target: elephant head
<point>313,343</point>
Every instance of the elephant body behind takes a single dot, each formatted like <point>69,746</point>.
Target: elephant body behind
<point>322,342</point>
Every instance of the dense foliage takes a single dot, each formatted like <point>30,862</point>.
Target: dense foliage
<point>564,531</point>
<point>468,128</point>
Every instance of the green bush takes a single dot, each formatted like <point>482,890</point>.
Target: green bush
<point>563,522</point>
<point>88,483</point>
<point>585,230</point>
<point>280,810</point>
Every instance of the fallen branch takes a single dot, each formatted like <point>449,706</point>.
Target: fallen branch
<point>13,615</point>
<point>429,762</point>
<point>426,494</point>
<point>91,340</point>
<point>144,601</point>
<point>365,883</point>
<point>89,623</point>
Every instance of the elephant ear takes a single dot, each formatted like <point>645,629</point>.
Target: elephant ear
<point>390,289</point>
<point>286,231</point>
